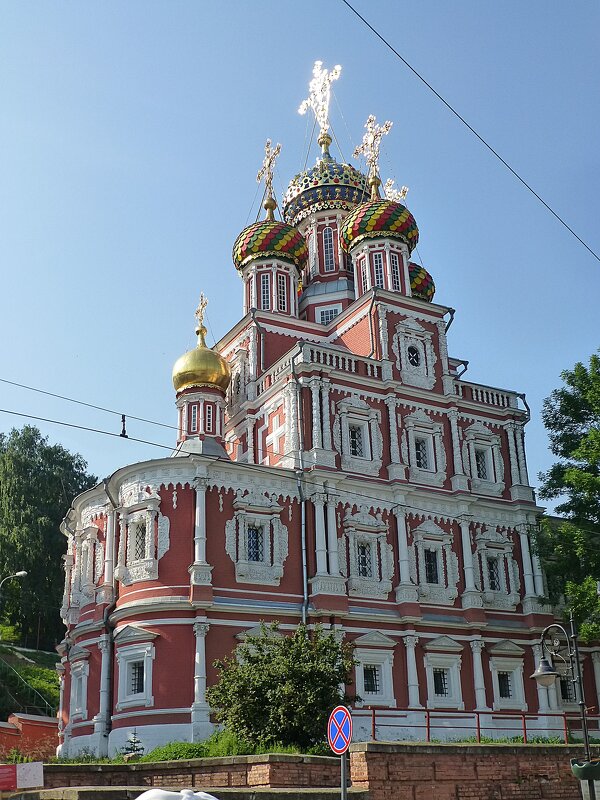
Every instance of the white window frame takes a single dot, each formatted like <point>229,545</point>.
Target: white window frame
<point>497,544</point>
<point>361,528</point>
<point>127,655</point>
<point>380,656</point>
<point>354,411</point>
<point>410,333</point>
<point>209,418</point>
<point>429,536</point>
<point>80,670</point>
<point>328,250</point>
<point>194,418</point>
<point>362,428</point>
<point>129,569</point>
<point>334,310</point>
<point>427,439</point>
<point>452,663</point>
<point>265,291</point>
<point>478,437</point>
<point>396,284</point>
<point>515,667</point>
<point>378,271</point>
<point>282,292</point>
<point>363,269</point>
<point>419,425</point>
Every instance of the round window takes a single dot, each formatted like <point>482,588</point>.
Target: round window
<point>414,359</point>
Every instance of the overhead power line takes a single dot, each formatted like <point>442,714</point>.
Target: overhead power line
<point>472,129</point>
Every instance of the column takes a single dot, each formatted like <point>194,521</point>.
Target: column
<point>465,535</point>
<point>456,454</point>
<point>120,570</point>
<point>393,423</point>
<point>514,465</point>
<point>102,717</point>
<point>315,389</point>
<point>200,521</point>
<point>320,544</point>
<point>60,669</point>
<point>383,331</point>
<point>542,691</point>
<point>250,439</point>
<point>538,577</point>
<point>410,642</point>
<point>521,455</point>
<point>403,558</point>
<point>477,645</point>
<point>201,725</point>
<point>526,558</point>
<point>109,549</point>
<point>332,539</point>
<point>596,664</point>
<point>327,444</point>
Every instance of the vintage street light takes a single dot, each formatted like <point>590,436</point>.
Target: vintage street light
<point>546,675</point>
<point>20,574</point>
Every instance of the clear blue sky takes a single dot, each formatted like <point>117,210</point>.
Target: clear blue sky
<point>130,138</point>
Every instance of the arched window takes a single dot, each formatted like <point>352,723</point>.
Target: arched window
<point>328,256</point>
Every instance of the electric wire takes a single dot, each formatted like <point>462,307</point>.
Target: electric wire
<point>472,129</point>
<point>309,144</point>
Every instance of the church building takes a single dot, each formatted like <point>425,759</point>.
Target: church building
<point>332,466</point>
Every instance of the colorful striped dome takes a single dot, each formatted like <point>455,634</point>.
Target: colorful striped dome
<point>379,218</point>
<point>421,282</point>
<point>326,185</point>
<point>270,238</point>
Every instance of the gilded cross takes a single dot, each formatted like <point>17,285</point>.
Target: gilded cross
<point>397,195</point>
<point>201,309</point>
<point>371,143</point>
<point>319,94</point>
<point>266,170</point>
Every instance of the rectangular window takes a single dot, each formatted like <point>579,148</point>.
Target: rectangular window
<point>505,685</point>
<point>139,539</point>
<point>441,687</point>
<point>208,413</point>
<point>395,270</point>
<point>328,257</point>
<point>281,293</point>
<point>356,441</point>
<point>194,418</point>
<point>378,269</point>
<point>365,562</point>
<point>421,453</point>
<point>493,571</point>
<point>481,464</point>
<point>327,314</point>
<point>431,566</point>
<point>78,693</point>
<point>372,679</point>
<point>256,547</point>
<point>567,690</point>
<point>136,677</point>
<point>265,294</point>
<point>363,277</point>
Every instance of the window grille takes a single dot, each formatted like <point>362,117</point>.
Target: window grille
<point>395,268</point>
<point>356,441</point>
<point>281,293</point>
<point>493,570</point>
<point>378,269</point>
<point>328,314</point>
<point>505,685</point>
<point>481,464</point>
<point>139,540</point>
<point>414,357</point>
<point>328,257</point>
<point>421,453</point>
<point>208,411</point>
<point>365,562</point>
<point>567,690</point>
<point>372,679</point>
<point>431,566</point>
<point>441,683</point>
<point>194,418</point>
<point>136,677</point>
<point>256,545</point>
<point>265,295</point>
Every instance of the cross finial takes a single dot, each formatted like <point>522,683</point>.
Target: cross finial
<point>266,172</point>
<point>397,195</point>
<point>319,95</point>
<point>199,314</point>
<point>371,143</point>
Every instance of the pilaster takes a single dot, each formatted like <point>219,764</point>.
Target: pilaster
<point>477,645</point>
<point>412,677</point>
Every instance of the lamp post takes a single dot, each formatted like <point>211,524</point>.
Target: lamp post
<point>20,574</point>
<point>545,675</point>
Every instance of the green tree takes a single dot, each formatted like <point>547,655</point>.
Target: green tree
<point>281,689</point>
<point>570,549</point>
<point>37,483</point>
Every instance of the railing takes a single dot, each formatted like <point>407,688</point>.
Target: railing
<point>436,724</point>
<point>34,701</point>
<point>487,395</point>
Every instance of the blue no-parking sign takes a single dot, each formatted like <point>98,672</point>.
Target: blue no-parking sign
<point>339,730</point>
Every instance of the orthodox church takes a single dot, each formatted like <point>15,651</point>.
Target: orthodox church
<point>332,466</point>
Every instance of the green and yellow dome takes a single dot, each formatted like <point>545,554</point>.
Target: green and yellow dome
<point>421,282</point>
<point>379,218</point>
<point>270,238</point>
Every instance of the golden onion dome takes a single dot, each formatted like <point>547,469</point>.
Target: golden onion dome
<point>201,367</point>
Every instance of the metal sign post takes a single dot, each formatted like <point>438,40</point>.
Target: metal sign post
<point>339,736</point>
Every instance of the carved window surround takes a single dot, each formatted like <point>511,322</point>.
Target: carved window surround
<point>134,644</point>
<point>354,411</point>
<point>375,650</point>
<point>142,507</point>
<point>256,510</point>
<point>362,529</point>
<point>444,653</point>
<point>80,670</point>
<point>419,425</point>
<point>492,543</point>
<point>479,437</point>
<point>508,657</point>
<point>429,536</point>
<point>410,333</point>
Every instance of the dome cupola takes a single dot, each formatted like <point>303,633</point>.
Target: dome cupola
<point>201,367</point>
<point>421,282</point>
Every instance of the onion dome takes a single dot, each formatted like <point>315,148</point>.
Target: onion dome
<point>421,282</point>
<point>270,238</point>
<point>326,185</point>
<point>201,367</point>
<point>379,218</point>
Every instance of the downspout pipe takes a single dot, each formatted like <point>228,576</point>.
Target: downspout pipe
<point>261,339</point>
<point>452,312</point>
<point>526,404</point>
<point>299,475</point>
<point>371,331</point>
<point>109,632</point>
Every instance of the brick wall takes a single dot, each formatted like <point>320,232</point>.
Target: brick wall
<point>464,772</point>
<point>268,771</point>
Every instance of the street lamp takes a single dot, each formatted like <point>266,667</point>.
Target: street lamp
<point>20,574</point>
<point>546,675</point>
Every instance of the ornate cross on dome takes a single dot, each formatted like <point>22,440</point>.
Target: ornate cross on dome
<point>200,311</point>
<point>371,143</point>
<point>397,195</point>
<point>319,94</point>
<point>266,170</point>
